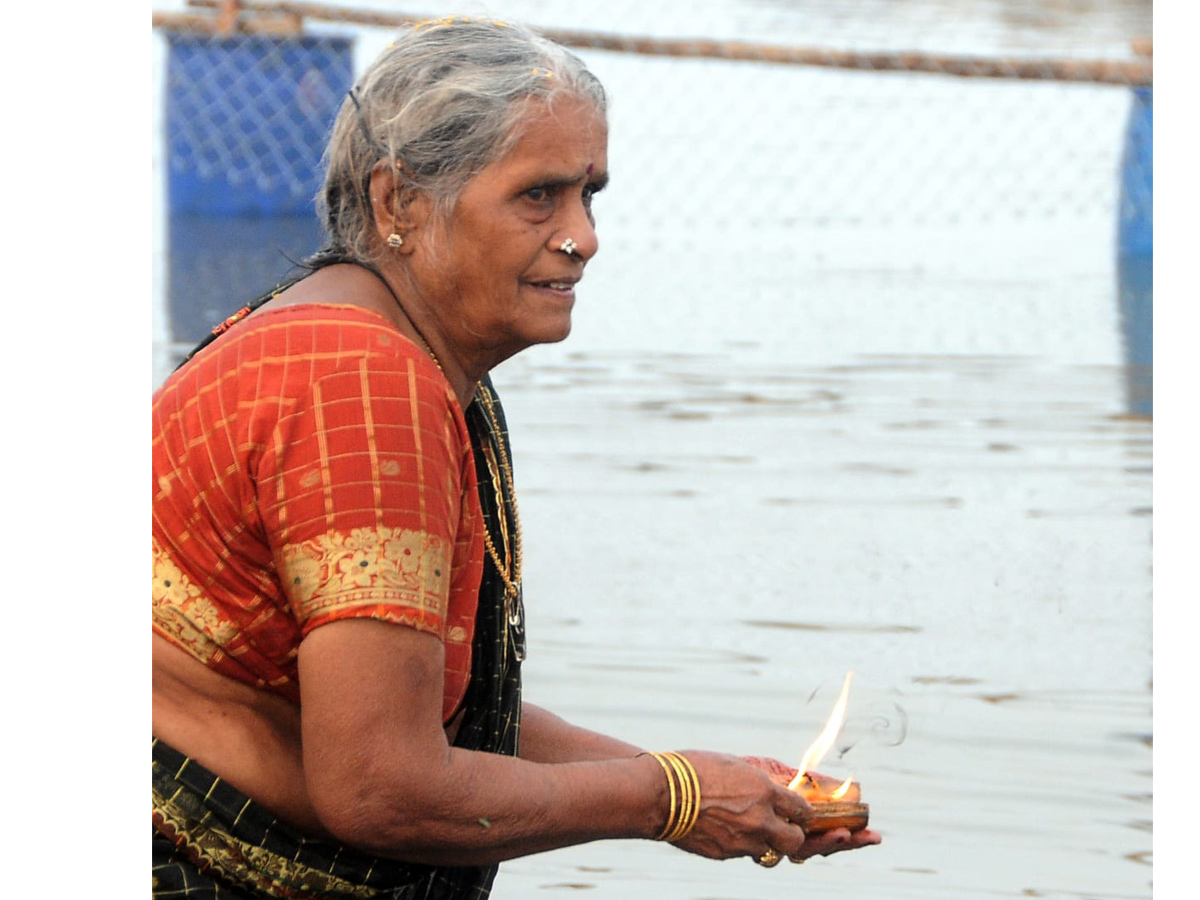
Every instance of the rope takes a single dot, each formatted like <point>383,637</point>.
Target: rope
<point>285,17</point>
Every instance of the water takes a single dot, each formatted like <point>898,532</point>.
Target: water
<point>708,540</point>
<point>820,414</point>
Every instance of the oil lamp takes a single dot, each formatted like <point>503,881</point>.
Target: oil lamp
<point>835,804</point>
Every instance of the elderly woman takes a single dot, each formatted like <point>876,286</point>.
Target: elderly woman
<point>338,620</point>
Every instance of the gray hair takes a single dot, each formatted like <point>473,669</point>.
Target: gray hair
<point>441,103</point>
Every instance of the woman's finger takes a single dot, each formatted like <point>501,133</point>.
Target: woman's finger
<point>786,837</point>
<point>792,806</point>
<point>835,841</point>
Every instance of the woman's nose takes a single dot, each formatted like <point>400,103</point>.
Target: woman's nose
<point>577,235</point>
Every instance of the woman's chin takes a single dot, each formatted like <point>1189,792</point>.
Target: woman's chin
<point>561,334</point>
<point>552,329</point>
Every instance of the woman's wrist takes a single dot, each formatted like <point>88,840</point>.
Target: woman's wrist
<point>682,796</point>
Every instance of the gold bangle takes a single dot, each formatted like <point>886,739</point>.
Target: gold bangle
<point>689,816</point>
<point>685,798</point>
<point>685,802</point>
<point>674,808</point>
<point>695,781</point>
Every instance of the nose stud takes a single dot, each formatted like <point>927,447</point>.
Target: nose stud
<point>568,247</point>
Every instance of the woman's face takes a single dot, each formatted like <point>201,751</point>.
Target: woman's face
<point>493,273</point>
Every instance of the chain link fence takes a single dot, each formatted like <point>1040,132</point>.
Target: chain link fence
<point>833,149</point>
<point>251,111</point>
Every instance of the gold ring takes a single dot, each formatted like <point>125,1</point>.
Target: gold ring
<point>769,859</point>
<point>798,860</point>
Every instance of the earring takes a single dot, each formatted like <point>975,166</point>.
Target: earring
<point>394,239</point>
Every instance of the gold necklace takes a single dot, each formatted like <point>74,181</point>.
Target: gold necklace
<point>509,568</point>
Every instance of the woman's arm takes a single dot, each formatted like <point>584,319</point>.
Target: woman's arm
<point>546,738</point>
<point>382,776</point>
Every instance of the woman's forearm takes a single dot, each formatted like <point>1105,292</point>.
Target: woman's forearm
<point>547,738</point>
<point>479,808</point>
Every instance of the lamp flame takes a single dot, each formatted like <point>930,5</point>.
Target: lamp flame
<point>825,740</point>
<point>842,789</point>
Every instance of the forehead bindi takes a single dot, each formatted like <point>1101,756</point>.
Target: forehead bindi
<point>547,168</point>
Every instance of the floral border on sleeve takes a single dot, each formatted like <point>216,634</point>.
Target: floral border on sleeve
<point>339,575</point>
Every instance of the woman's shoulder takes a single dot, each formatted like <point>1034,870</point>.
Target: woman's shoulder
<point>334,332</point>
<point>308,313</point>
<point>337,336</point>
<point>290,347</point>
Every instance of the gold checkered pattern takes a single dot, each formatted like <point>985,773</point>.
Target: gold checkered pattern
<point>312,465</point>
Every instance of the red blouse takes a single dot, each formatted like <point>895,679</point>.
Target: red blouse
<point>311,465</point>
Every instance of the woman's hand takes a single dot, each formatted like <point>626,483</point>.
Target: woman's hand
<point>746,810</point>
<point>780,772</point>
<point>743,812</point>
<point>836,841</point>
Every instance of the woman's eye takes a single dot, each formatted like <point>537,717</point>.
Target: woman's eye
<point>538,194</point>
<point>590,191</point>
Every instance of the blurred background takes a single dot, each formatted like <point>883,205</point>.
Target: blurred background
<point>860,380</point>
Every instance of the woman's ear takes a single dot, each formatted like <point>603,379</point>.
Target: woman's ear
<point>399,210</point>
